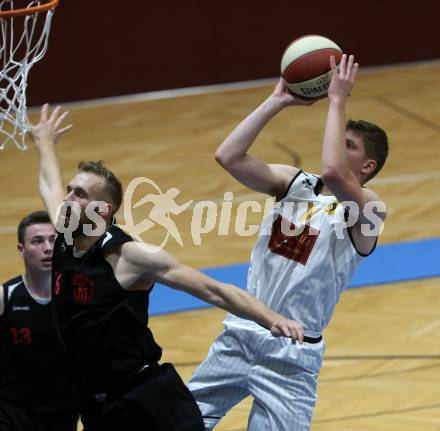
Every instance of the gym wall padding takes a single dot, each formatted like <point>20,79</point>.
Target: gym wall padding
<point>107,48</point>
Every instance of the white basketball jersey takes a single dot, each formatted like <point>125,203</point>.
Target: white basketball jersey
<point>304,256</point>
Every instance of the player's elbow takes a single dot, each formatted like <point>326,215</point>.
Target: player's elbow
<point>222,157</point>
<point>331,174</point>
<point>227,158</point>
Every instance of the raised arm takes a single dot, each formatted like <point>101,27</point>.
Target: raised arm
<point>45,135</point>
<point>342,176</point>
<point>335,168</point>
<point>233,155</point>
<point>162,267</point>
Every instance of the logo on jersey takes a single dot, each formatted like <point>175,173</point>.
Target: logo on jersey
<point>83,289</point>
<point>307,183</point>
<point>23,308</point>
<point>294,247</point>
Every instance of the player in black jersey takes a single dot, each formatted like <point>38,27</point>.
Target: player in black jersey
<point>36,391</point>
<point>101,285</point>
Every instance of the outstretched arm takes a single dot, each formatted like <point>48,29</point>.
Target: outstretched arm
<point>45,135</point>
<point>162,267</point>
<point>233,154</point>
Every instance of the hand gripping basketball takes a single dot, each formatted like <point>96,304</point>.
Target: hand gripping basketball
<point>305,65</point>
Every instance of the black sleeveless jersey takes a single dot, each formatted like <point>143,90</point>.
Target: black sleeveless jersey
<point>103,327</point>
<point>34,372</point>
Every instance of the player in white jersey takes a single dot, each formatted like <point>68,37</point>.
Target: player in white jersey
<point>308,248</point>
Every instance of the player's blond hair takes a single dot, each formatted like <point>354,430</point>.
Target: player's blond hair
<point>113,187</point>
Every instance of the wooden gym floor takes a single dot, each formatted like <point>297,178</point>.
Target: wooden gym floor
<point>381,366</point>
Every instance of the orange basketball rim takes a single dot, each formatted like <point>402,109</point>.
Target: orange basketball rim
<point>29,10</point>
<point>23,43</point>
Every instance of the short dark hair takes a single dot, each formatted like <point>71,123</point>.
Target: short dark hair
<point>35,217</point>
<point>113,185</point>
<point>375,141</point>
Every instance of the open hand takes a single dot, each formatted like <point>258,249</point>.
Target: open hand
<point>49,129</point>
<point>343,78</point>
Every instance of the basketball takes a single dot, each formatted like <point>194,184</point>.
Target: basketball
<point>305,65</point>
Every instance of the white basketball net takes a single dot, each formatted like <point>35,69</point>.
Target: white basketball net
<point>23,42</point>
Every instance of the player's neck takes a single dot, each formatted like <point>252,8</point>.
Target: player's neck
<point>84,242</point>
<point>38,283</point>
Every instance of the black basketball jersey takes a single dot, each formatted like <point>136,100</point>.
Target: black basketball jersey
<point>34,372</point>
<point>102,326</point>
